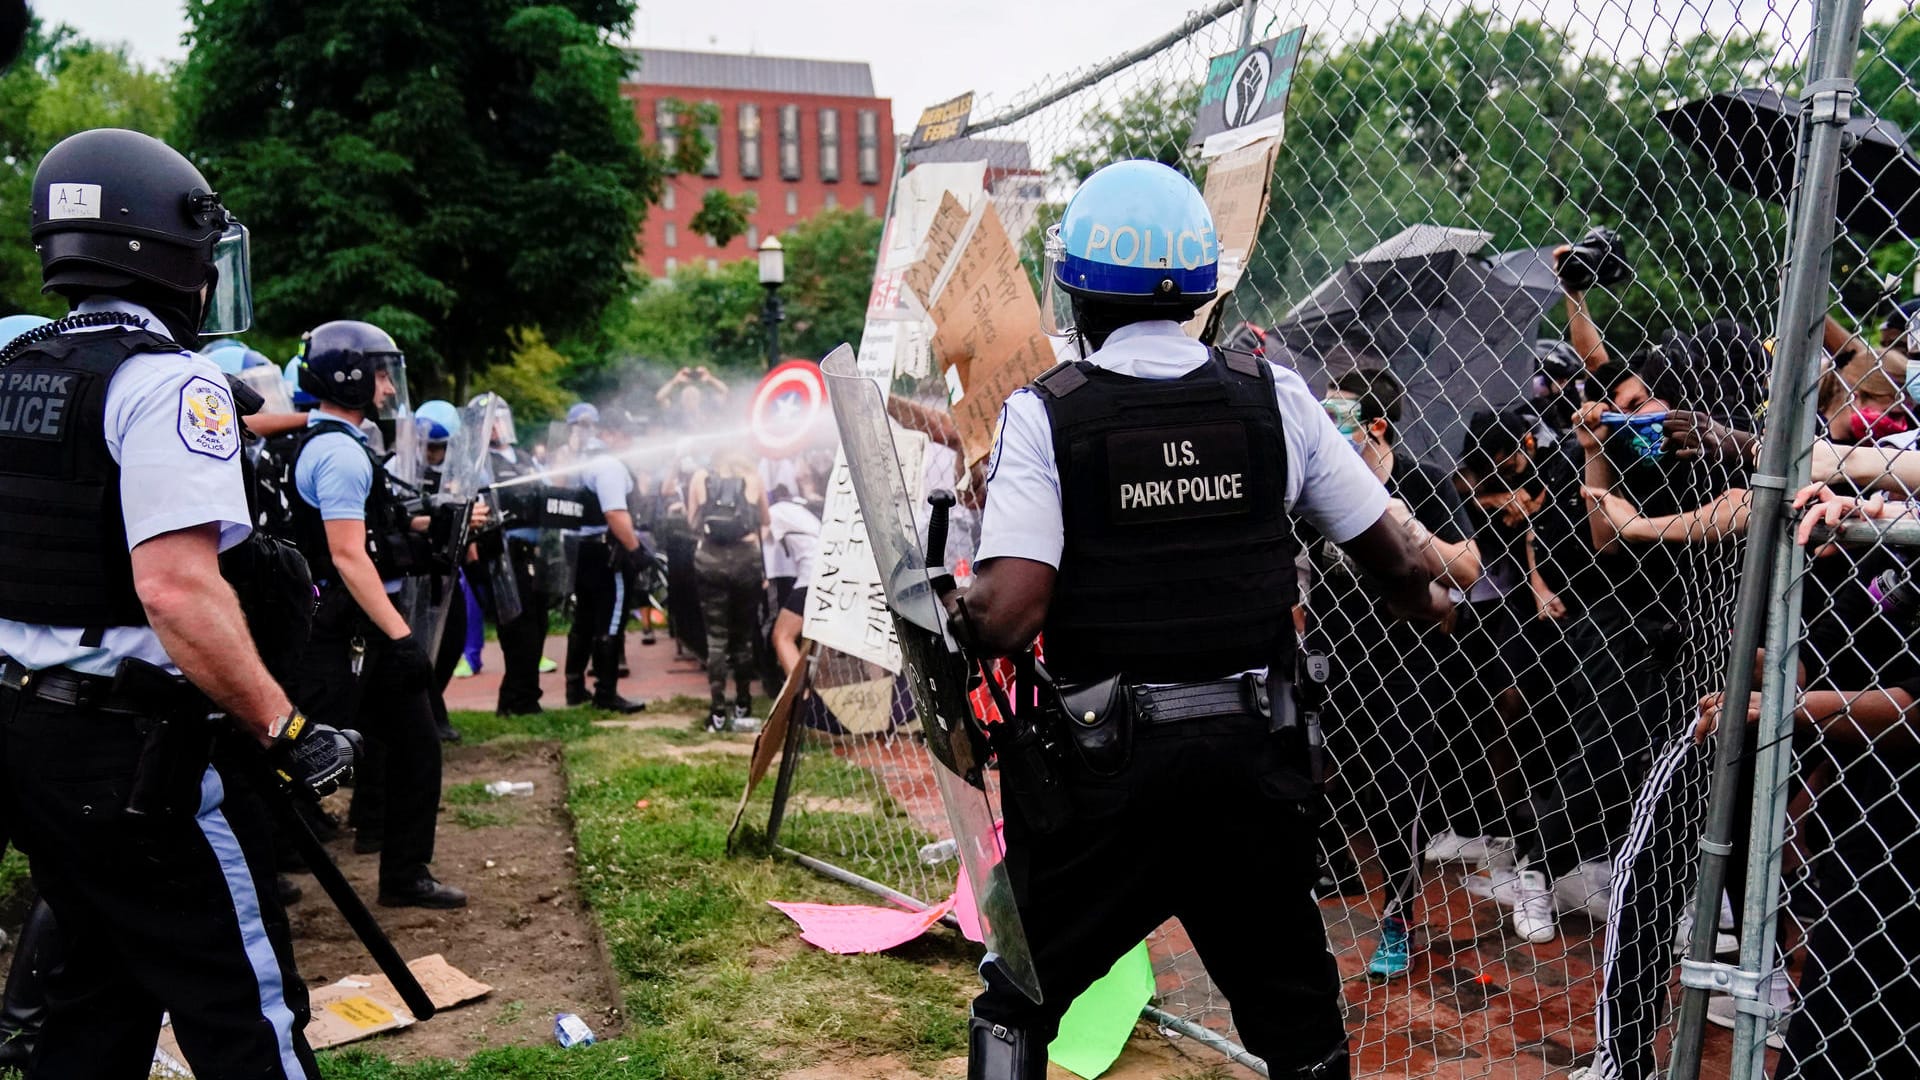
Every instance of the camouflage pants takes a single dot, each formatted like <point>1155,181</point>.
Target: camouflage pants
<point>731,587</point>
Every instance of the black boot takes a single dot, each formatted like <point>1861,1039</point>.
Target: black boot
<point>23,1009</point>
<point>577,690</point>
<point>1000,1052</point>
<point>606,679</point>
<point>423,891</point>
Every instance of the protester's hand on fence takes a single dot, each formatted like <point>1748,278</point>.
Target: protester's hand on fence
<point>1588,428</point>
<point>1825,507</point>
<point>1713,706</point>
<point>1696,435</point>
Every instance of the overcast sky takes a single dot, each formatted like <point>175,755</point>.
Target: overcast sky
<point>924,53</point>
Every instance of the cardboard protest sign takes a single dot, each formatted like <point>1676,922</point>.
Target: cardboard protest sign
<point>1237,189</point>
<point>1245,95</point>
<point>846,604</point>
<point>938,123</point>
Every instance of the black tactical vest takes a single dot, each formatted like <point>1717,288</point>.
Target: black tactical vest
<point>63,543</point>
<point>1179,557</point>
<point>397,550</point>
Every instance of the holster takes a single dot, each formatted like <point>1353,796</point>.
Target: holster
<point>1098,718</point>
<point>178,746</point>
<point>1309,695</point>
<point>1026,745</point>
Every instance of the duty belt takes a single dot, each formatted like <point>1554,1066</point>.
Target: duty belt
<point>61,686</point>
<point>1245,695</point>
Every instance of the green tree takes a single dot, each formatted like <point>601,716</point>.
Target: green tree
<point>830,262</point>
<point>723,216</point>
<point>453,170</point>
<point>62,84</point>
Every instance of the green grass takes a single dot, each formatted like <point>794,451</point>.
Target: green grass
<point>13,875</point>
<point>716,984</point>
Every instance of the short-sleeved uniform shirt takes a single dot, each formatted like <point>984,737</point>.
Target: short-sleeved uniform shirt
<point>609,480</point>
<point>334,475</point>
<point>1327,484</point>
<point>173,476</point>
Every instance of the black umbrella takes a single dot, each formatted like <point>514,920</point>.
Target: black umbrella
<point>1457,329</point>
<point>1748,138</point>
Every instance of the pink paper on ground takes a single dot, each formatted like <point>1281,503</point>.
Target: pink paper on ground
<point>856,928</point>
<point>966,910</point>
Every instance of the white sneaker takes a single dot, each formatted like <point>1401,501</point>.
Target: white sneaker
<point>1586,887</point>
<point>1445,845</point>
<point>1589,1072</point>
<point>1452,847</point>
<point>1533,908</point>
<point>1724,944</point>
<point>1721,1010</point>
<point>1497,883</point>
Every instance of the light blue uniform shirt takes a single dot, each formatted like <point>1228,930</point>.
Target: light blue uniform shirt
<point>333,474</point>
<point>609,480</point>
<point>171,426</point>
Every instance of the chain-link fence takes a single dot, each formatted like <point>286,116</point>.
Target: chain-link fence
<point>1517,805</point>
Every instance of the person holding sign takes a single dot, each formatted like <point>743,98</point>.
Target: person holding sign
<point>1141,509</point>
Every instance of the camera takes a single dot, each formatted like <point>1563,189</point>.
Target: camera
<point>1596,259</point>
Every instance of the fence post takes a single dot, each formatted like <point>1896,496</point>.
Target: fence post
<point>1250,9</point>
<point>1770,580</point>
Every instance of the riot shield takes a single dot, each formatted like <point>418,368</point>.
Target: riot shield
<point>937,671</point>
<point>425,599</point>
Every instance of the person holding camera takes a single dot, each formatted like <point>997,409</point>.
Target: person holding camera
<point>684,397</point>
<point>364,668</point>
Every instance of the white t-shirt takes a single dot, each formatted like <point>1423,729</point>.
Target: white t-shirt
<point>793,540</point>
<point>1327,483</point>
<point>171,425</point>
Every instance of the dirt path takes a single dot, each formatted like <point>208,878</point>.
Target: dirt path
<point>524,931</point>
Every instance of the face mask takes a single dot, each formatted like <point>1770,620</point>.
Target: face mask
<point>1345,414</point>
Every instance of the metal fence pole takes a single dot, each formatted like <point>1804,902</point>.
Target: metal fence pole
<point>1770,580</point>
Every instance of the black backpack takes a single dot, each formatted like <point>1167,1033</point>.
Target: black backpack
<point>728,517</point>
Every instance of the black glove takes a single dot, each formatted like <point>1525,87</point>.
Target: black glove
<point>407,665</point>
<point>632,562</point>
<point>315,756</point>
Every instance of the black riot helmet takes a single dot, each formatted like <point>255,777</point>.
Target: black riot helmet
<point>119,213</point>
<point>341,361</point>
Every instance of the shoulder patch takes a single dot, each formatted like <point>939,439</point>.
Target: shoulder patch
<point>208,423</point>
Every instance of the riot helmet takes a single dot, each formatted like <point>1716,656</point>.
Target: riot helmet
<point>1135,242</point>
<point>119,213</point>
<point>502,433</point>
<point>12,326</point>
<point>342,362</point>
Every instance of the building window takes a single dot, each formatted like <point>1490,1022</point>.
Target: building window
<point>789,142</point>
<point>666,131</point>
<point>712,265</point>
<point>753,238</point>
<point>672,264</point>
<point>833,200</point>
<point>672,235</point>
<point>866,203</point>
<point>667,197</point>
<point>750,141</point>
<point>793,204</point>
<point>869,135</point>
<point>710,134</point>
<point>830,145</point>
<point>710,242</point>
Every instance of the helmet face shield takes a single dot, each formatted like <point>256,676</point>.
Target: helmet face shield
<point>390,370</point>
<point>271,386</point>
<point>230,307</point>
<point>1056,306</point>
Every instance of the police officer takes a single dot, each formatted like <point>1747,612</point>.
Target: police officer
<point>521,639</point>
<point>364,668</point>
<point>607,560</point>
<point>120,481</point>
<point>1140,510</point>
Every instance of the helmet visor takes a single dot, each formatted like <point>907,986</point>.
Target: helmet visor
<point>1056,306</point>
<point>390,400</point>
<point>503,432</point>
<point>271,386</point>
<point>230,308</point>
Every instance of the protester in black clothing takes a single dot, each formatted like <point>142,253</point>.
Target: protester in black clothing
<point>1385,728</point>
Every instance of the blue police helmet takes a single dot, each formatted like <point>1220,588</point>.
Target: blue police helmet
<point>439,420</point>
<point>583,413</point>
<point>301,399</point>
<point>253,358</point>
<point>229,356</point>
<point>339,360</point>
<point>12,326</point>
<point>1138,232</point>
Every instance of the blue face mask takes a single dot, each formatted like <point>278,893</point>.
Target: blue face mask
<point>1913,375</point>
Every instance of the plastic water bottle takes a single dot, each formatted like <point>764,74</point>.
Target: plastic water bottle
<point>938,852</point>
<point>569,1030</point>
<point>510,787</point>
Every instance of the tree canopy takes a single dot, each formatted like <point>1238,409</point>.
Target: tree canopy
<point>452,170</point>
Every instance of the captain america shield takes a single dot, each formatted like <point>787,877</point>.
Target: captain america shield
<point>787,406</point>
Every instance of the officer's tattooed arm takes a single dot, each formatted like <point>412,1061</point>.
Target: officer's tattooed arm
<point>198,620</point>
<point>1005,606</point>
<point>1405,574</point>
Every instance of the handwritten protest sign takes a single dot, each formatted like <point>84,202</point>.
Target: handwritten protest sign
<point>1238,185</point>
<point>846,604</point>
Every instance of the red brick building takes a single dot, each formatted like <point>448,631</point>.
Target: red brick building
<point>802,135</point>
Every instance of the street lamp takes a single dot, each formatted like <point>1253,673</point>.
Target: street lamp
<point>773,274</point>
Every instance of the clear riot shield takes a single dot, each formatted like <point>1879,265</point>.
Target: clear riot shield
<point>425,599</point>
<point>937,671</point>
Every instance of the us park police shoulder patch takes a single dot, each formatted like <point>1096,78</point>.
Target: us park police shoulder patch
<point>208,423</point>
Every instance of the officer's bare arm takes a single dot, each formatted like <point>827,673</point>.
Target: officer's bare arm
<point>1406,574</point>
<point>347,545</point>
<point>1006,604</point>
<point>620,524</point>
<point>198,620</point>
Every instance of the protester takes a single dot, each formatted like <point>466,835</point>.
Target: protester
<point>727,508</point>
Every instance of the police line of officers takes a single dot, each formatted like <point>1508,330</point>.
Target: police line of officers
<point>131,576</point>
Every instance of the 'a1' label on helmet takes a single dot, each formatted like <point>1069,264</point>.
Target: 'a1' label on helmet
<point>68,201</point>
